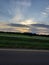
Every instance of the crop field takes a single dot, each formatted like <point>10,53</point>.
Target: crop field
<point>23,41</point>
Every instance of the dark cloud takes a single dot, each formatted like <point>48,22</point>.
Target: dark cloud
<point>17,25</point>
<point>40,25</point>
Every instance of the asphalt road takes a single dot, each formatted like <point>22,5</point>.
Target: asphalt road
<point>23,57</point>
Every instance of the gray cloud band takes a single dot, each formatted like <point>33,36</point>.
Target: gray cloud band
<point>40,25</point>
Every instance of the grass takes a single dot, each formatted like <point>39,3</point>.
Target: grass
<point>23,41</point>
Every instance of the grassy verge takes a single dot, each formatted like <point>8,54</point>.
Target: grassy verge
<point>21,41</point>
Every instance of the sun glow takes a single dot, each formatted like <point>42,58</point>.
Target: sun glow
<point>28,22</point>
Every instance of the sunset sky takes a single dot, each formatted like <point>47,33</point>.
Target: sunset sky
<point>24,16</point>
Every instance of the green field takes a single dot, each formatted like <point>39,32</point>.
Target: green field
<point>23,41</point>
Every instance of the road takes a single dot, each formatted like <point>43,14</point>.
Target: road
<point>23,57</point>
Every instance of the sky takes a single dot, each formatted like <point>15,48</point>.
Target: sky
<point>24,16</point>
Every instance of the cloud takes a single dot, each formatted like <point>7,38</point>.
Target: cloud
<point>21,6</point>
<point>40,28</point>
<point>17,25</point>
<point>15,29</point>
<point>10,27</point>
<point>34,28</point>
<point>16,19</point>
<point>23,29</point>
<point>47,9</point>
<point>28,22</point>
<point>14,10</point>
<point>45,12</point>
<point>40,25</point>
<point>3,24</point>
<point>43,31</point>
<point>20,19</point>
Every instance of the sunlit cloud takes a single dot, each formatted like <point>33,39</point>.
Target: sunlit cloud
<point>7,27</point>
<point>28,22</point>
<point>22,30</point>
<point>34,28</point>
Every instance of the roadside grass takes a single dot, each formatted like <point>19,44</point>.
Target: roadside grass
<point>23,41</point>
